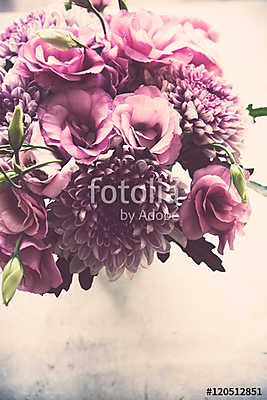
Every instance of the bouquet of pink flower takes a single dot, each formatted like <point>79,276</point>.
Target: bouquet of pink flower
<point>100,126</point>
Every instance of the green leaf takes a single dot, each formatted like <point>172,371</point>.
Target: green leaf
<point>256,112</point>
<point>68,5</point>
<point>258,188</point>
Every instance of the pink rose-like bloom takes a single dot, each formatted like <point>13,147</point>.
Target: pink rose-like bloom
<point>20,212</point>
<point>50,66</point>
<point>145,119</point>
<point>50,179</point>
<point>40,271</point>
<point>202,41</point>
<point>78,123</point>
<point>201,27</point>
<point>148,38</point>
<point>212,208</point>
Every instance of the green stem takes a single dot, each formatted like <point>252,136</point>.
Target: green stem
<point>91,8</point>
<point>17,157</point>
<point>18,243</point>
<point>17,168</point>
<point>9,179</point>
<point>123,5</point>
<point>256,112</point>
<point>6,151</point>
<point>25,171</point>
<point>230,155</point>
<point>32,146</point>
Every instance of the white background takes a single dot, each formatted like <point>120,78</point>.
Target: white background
<point>176,328</point>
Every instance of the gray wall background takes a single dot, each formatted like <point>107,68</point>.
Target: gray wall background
<point>21,5</point>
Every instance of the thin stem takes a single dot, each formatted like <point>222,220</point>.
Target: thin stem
<point>32,146</point>
<point>230,155</point>
<point>91,8</point>
<point>123,5</point>
<point>6,151</point>
<point>25,171</point>
<point>17,168</point>
<point>17,157</point>
<point>10,180</point>
<point>18,243</point>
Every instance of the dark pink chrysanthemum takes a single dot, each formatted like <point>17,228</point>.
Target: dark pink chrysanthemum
<point>95,234</point>
<point>210,112</point>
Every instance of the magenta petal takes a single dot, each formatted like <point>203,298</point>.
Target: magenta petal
<point>189,220</point>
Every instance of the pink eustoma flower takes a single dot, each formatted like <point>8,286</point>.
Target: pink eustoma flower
<point>40,271</point>
<point>51,66</point>
<point>48,180</point>
<point>78,123</point>
<point>212,208</point>
<point>201,27</point>
<point>145,119</point>
<point>21,211</point>
<point>149,38</point>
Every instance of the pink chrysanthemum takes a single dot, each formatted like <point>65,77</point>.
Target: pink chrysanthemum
<point>210,112</point>
<point>95,234</point>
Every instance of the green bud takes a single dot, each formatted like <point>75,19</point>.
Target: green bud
<point>239,181</point>
<point>11,278</point>
<point>15,130</point>
<point>60,39</point>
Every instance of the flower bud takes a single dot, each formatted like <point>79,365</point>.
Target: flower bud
<point>239,181</point>
<point>11,278</point>
<point>15,130</point>
<point>60,39</point>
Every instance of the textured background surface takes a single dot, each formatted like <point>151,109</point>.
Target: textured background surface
<point>27,4</point>
<point>176,328</point>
